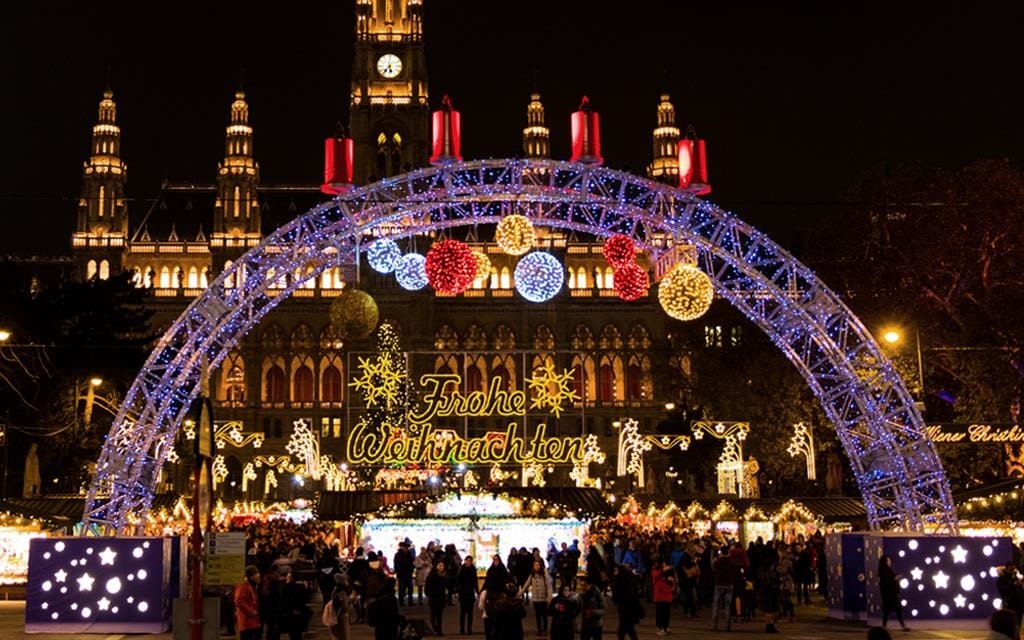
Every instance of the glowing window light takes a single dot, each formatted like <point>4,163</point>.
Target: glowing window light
<point>514,235</point>
<point>539,276</point>
<point>383,255</point>
<point>410,272</point>
<point>686,292</point>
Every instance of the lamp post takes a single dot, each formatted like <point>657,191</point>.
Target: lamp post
<point>90,399</point>
<point>894,336</point>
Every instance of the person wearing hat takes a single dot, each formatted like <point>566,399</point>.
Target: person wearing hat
<point>247,606</point>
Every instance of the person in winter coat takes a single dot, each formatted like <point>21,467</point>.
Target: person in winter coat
<point>626,596</point>
<point>889,586</point>
<point>507,612</point>
<point>541,590</point>
<point>247,606</point>
<point>467,586</point>
<point>497,575</point>
<point>663,588</point>
<point>383,614</point>
<point>341,603</point>
<point>422,564</point>
<point>592,610</point>
<point>437,596</point>
<point>564,610</point>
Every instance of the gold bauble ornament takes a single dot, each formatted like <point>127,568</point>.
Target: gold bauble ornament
<point>686,292</point>
<point>514,235</point>
<point>354,313</point>
<point>483,264</point>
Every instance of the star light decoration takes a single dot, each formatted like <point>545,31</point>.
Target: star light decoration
<point>514,235</point>
<point>551,389</point>
<point>303,445</point>
<point>686,292</point>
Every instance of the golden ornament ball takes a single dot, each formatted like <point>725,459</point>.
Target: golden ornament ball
<point>483,264</point>
<point>686,292</point>
<point>514,234</point>
<point>354,313</point>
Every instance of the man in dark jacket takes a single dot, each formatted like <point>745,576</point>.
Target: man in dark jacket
<point>383,613</point>
<point>591,610</point>
<point>403,566</point>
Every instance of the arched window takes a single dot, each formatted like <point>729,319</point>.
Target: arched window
<point>609,278</point>
<point>230,282</point>
<point>502,374</point>
<point>204,278</point>
<point>104,269</point>
<point>302,384</point>
<point>331,385</point>
<point>506,278</point>
<point>275,385</point>
<point>581,278</point>
<point>193,277</point>
<point>634,382</point>
<point>474,379</point>
<point>233,383</point>
<point>606,383</point>
<point>165,277</point>
<point>90,270</point>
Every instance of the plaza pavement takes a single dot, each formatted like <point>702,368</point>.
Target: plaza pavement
<point>812,624</point>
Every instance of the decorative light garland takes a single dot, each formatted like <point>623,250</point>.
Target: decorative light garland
<point>410,272</point>
<point>383,255</point>
<point>619,250</point>
<point>451,266</point>
<point>539,276</point>
<point>686,292</point>
<point>514,234</point>
<point>631,282</point>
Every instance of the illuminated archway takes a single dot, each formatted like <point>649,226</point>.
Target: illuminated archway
<point>897,468</point>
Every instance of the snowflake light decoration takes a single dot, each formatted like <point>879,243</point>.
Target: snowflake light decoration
<point>551,389</point>
<point>381,379</point>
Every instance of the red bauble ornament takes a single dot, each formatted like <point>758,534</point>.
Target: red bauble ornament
<point>619,250</point>
<point>631,282</point>
<point>450,266</point>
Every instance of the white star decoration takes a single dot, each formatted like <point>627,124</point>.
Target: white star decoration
<point>959,554</point>
<point>960,600</point>
<point>941,580</point>
<point>107,556</point>
<point>60,576</point>
<point>103,604</point>
<point>916,573</point>
<point>85,582</point>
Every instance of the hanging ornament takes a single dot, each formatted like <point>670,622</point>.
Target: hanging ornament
<point>686,292</point>
<point>483,265</point>
<point>410,272</point>
<point>631,282</point>
<point>539,276</point>
<point>514,235</point>
<point>383,255</point>
<point>619,250</point>
<point>450,266</point>
<point>354,313</point>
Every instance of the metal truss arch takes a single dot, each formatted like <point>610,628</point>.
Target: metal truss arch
<point>897,468</point>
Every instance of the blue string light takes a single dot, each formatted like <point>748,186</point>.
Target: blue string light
<point>411,272</point>
<point>383,255</point>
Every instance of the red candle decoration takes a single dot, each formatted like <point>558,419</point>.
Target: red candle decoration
<point>631,282</point>
<point>619,250</point>
<point>451,266</point>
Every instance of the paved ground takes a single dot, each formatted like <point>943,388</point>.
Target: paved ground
<point>812,624</point>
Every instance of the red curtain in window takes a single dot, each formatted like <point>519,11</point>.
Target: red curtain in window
<point>330,386</point>
<point>606,383</point>
<point>275,384</point>
<point>474,379</point>
<point>633,382</point>
<point>506,380</point>
<point>303,384</point>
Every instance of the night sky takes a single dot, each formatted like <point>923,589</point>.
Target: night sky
<point>793,105</point>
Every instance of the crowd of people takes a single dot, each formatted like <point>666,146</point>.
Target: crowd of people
<point>568,591</point>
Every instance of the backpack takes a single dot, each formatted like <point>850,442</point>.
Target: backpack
<point>329,617</point>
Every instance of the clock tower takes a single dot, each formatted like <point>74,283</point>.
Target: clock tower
<point>389,117</point>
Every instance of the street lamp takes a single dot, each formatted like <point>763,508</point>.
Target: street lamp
<point>894,337</point>
<point>90,398</point>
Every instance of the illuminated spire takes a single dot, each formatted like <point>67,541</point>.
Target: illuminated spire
<point>237,209</point>
<point>536,136</point>
<point>665,165</point>
<point>102,213</point>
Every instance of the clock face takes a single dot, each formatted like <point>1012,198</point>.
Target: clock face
<point>389,65</point>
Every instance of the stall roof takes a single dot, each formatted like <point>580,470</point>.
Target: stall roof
<point>829,508</point>
<point>66,508</point>
<point>343,505</point>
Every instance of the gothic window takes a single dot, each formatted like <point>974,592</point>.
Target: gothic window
<point>606,383</point>
<point>235,205</point>
<point>272,337</point>
<point>389,153</point>
<point>495,278</point>
<point>609,278</point>
<point>90,270</point>
<point>581,279</point>
<point>193,278</point>
<point>102,200</point>
<point>165,278</point>
<point>447,365</point>
<point>543,338</point>
<point>302,338</point>
<point>331,384</point>
<point>104,269</point>
<point>634,382</point>
<point>331,338</point>
<point>229,283</point>
<point>501,372</point>
<point>446,339</point>
<point>274,384</point>
<point>233,382</point>
<point>474,379</point>
<point>504,338</point>
<point>583,377</point>
<point>302,384</point>
<point>331,279</point>
<point>712,336</point>
<point>610,337</point>
<point>639,338</point>
<point>582,338</point>
<point>204,278</point>
<point>598,278</point>
<point>476,338</point>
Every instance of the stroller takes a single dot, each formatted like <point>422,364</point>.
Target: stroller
<point>412,629</point>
